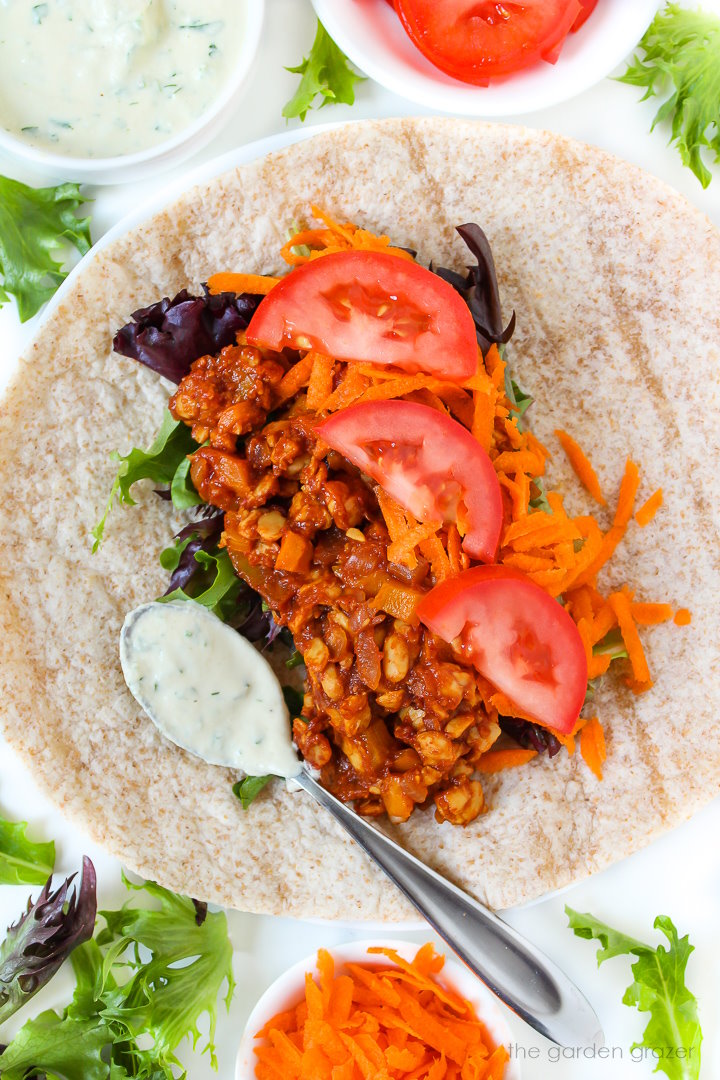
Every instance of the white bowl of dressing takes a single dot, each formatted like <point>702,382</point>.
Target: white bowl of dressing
<point>289,989</point>
<point>147,82</point>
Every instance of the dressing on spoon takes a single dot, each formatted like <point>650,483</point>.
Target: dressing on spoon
<point>206,688</point>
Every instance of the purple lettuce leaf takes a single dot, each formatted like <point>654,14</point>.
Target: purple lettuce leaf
<point>44,936</point>
<point>201,535</point>
<point>480,289</point>
<point>259,623</point>
<point>530,736</point>
<point>170,335</point>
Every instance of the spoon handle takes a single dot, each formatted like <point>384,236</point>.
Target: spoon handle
<point>513,968</point>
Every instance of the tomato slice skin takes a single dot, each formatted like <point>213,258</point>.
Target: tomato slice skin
<point>517,636</point>
<point>475,40</point>
<point>372,307</point>
<point>427,462</point>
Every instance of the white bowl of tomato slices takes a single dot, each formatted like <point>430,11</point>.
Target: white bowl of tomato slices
<point>373,36</point>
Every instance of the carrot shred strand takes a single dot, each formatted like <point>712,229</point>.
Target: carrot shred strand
<point>592,746</point>
<point>581,466</point>
<point>388,1019</point>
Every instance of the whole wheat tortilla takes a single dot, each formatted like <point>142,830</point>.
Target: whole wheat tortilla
<point>615,280</point>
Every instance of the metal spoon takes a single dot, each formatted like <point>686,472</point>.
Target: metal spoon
<point>512,967</point>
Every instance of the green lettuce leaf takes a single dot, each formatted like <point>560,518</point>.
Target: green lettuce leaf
<point>21,861</point>
<point>165,462</point>
<point>325,72</point>
<point>220,587</point>
<point>162,998</point>
<point>37,224</point>
<point>247,790</point>
<point>673,1032</point>
<point>613,645</point>
<point>59,1047</point>
<point>293,700</point>
<point>682,48</point>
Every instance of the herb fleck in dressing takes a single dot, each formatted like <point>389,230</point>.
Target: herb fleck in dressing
<point>207,689</point>
<point>100,78</point>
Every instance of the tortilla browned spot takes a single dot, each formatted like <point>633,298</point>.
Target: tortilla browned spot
<point>615,279</point>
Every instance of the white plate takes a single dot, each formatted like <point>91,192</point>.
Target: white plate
<point>371,34</point>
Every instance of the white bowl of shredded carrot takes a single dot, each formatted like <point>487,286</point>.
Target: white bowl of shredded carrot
<point>376,1008</point>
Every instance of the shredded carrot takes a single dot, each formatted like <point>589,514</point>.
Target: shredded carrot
<point>321,380</point>
<point>682,617</point>
<point>620,603</point>
<point>651,614</point>
<point>394,388</point>
<point>603,623</point>
<point>623,513</point>
<point>493,761</point>
<point>352,385</point>
<point>335,237</point>
<point>592,745</point>
<point>581,465</point>
<point>433,550</point>
<point>649,509</point>
<point>568,741</point>
<point>484,400</point>
<point>241,283</point>
<point>296,378</point>
<point>393,514</point>
<point>598,665</point>
<point>499,701</point>
<point>384,1020</point>
<point>400,549</point>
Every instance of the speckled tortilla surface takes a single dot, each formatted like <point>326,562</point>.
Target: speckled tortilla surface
<point>615,280</point>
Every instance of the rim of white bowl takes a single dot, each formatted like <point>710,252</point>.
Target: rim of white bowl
<point>288,988</point>
<point>400,67</point>
<point>85,168</point>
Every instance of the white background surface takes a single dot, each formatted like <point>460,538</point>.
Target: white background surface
<point>678,876</point>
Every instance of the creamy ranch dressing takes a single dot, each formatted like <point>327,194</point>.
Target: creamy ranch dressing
<point>207,689</point>
<point>99,78</point>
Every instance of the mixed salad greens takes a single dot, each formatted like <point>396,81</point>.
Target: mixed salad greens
<point>144,977</point>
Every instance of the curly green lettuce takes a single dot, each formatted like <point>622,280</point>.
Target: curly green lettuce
<point>682,48</point>
<point>36,225</point>
<point>325,73</point>
<point>165,462</point>
<point>673,1032</point>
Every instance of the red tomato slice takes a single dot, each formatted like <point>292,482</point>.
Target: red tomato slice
<point>370,306</point>
<point>428,462</point>
<point>588,6</point>
<point>517,636</point>
<point>475,40</point>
